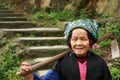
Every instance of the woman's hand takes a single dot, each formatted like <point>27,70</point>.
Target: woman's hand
<point>25,66</point>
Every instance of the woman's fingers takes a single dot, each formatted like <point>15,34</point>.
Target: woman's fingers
<point>25,66</point>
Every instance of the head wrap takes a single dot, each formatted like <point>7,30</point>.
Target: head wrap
<point>87,24</point>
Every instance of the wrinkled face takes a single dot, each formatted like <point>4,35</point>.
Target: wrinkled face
<point>80,42</point>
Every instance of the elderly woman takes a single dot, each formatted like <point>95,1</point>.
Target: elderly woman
<point>80,63</point>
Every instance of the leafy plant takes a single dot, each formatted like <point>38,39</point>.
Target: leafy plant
<point>62,15</point>
<point>53,17</point>
<point>9,63</point>
<point>3,41</point>
<point>83,14</point>
<point>38,15</point>
<point>115,72</point>
<point>107,28</point>
<point>104,29</point>
<point>1,0</point>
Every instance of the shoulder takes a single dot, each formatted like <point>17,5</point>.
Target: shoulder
<point>65,60</point>
<point>96,58</point>
<point>92,54</point>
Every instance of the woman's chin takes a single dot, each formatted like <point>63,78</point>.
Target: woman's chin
<point>80,54</point>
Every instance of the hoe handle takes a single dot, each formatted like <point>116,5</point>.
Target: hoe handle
<point>43,63</point>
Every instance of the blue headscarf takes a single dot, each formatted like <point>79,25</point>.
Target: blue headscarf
<point>87,24</point>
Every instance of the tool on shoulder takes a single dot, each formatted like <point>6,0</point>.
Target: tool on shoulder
<point>114,51</point>
<point>43,63</point>
<point>114,47</point>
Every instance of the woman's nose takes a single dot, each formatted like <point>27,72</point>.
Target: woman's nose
<point>79,42</point>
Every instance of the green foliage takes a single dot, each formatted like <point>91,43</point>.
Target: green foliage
<point>17,35</point>
<point>105,15</point>
<point>105,45</point>
<point>115,28</point>
<point>35,9</point>
<point>8,5</point>
<point>107,28</point>
<point>116,63</point>
<point>9,63</point>
<point>2,41</point>
<point>83,14</point>
<point>1,1</point>
<point>38,15</point>
<point>47,9</point>
<point>104,29</point>
<point>62,16</point>
<point>51,18</point>
<point>115,72</point>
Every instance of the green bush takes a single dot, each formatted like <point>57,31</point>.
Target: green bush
<point>82,14</point>
<point>115,72</point>
<point>1,0</point>
<point>38,15</point>
<point>107,28</point>
<point>2,41</point>
<point>104,45</point>
<point>53,17</point>
<point>62,15</point>
<point>9,63</point>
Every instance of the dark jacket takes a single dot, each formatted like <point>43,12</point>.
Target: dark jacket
<point>67,68</point>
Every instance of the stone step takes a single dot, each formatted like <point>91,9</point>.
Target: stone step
<point>11,15</point>
<point>45,51</point>
<point>1,4</point>
<point>44,48</point>
<point>42,29</point>
<point>40,38</point>
<point>6,11</point>
<point>13,19</point>
<point>3,8</point>
<point>41,41</point>
<point>34,32</point>
<point>16,24</point>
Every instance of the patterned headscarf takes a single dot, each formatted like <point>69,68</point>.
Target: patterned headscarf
<point>87,24</point>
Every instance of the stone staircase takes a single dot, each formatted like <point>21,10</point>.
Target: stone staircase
<point>41,42</point>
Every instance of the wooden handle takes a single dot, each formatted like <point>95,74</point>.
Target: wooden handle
<point>106,36</point>
<point>43,63</point>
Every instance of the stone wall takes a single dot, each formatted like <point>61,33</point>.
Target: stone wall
<point>107,7</point>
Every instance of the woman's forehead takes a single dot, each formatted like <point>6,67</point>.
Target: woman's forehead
<point>79,31</point>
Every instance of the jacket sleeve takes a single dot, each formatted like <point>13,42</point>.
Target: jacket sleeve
<point>106,74</point>
<point>50,75</point>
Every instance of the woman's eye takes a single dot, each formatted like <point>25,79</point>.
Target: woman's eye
<point>74,39</point>
<point>84,39</point>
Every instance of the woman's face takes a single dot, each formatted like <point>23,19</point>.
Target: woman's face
<point>80,42</point>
